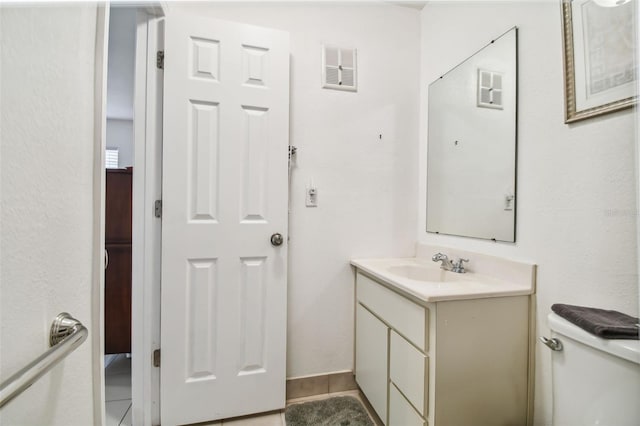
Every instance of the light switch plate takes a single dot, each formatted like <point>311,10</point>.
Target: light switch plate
<point>311,199</point>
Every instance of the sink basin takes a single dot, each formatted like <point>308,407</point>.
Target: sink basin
<point>424,273</point>
<point>424,280</point>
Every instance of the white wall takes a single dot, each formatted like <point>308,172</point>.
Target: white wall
<point>122,55</point>
<point>122,44</point>
<point>46,214</point>
<point>366,186</point>
<point>576,214</point>
<point>120,136</point>
<point>637,157</point>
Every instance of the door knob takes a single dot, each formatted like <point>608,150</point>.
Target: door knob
<point>276,239</point>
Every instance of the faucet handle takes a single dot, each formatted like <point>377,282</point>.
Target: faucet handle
<point>458,266</point>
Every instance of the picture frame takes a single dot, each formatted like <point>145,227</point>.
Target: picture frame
<point>599,44</point>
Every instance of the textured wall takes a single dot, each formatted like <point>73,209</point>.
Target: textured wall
<point>46,213</point>
<point>122,55</point>
<point>120,135</point>
<point>366,186</point>
<point>576,198</point>
<point>121,68</point>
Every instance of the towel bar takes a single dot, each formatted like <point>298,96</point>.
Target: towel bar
<point>67,333</point>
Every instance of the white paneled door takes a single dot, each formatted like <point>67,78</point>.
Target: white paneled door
<point>226,120</point>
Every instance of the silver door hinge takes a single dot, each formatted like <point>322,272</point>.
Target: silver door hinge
<point>158,208</point>
<point>293,150</point>
<point>156,358</point>
<point>160,59</point>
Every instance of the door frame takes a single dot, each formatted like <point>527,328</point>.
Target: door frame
<point>146,232</point>
<point>146,229</point>
<point>147,186</point>
<point>99,190</point>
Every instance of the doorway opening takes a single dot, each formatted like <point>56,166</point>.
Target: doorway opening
<point>222,235</point>
<point>133,164</point>
<point>118,214</point>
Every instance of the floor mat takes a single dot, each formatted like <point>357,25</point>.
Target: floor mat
<point>336,411</point>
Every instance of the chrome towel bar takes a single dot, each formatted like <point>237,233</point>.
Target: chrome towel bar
<point>67,333</point>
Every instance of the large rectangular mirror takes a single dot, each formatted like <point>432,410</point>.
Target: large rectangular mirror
<point>471,157</point>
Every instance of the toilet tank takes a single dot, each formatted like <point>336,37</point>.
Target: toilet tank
<point>595,381</point>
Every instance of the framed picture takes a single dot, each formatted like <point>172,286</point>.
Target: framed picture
<point>599,39</point>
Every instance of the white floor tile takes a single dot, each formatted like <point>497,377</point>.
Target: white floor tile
<point>117,387</point>
<point>120,364</point>
<point>116,410</point>
<point>126,421</point>
<point>108,359</point>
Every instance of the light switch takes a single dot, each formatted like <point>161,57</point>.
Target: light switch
<point>508,202</point>
<point>312,196</point>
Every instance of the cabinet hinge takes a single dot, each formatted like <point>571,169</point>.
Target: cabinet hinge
<point>160,59</point>
<point>156,358</point>
<point>158,208</point>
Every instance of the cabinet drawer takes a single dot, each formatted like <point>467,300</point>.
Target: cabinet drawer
<point>408,371</point>
<point>400,411</point>
<point>408,318</point>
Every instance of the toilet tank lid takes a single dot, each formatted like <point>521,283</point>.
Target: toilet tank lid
<point>623,348</point>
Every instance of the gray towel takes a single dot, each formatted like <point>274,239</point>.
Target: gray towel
<point>602,323</point>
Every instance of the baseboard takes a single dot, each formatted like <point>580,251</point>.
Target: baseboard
<point>320,384</point>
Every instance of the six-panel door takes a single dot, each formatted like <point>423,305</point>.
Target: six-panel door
<point>223,330</point>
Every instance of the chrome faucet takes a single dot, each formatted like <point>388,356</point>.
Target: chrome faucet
<point>448,265</point>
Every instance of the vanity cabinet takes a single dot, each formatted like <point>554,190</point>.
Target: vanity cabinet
<point>444,363</point>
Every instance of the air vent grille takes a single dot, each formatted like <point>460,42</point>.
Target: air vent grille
<point>333,75</point>
<point>339,68</point>
<point>490,89</point>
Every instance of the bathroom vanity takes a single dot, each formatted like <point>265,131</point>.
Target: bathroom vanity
<point>434,347</point>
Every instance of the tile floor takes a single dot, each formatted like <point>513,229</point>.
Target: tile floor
<point>118,399</point>
<point>118,390</point>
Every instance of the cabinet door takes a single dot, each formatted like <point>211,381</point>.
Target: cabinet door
<point>117,226</point>
<point>371,359</point>
<point>401,413</point>
<point>117,300</point>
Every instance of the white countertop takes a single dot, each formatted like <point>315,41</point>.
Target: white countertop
<point>423,279</point>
